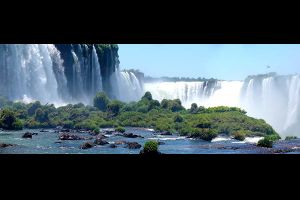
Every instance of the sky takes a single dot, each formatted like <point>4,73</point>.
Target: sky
<point>221,61</point>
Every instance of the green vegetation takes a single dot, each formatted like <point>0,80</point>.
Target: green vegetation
<point>101,101</point>
<point>266,142</point>
<point>290,138</point>
<point>150,147</point>
<point>239,135</point>
<point>120,129</point>
<point>167,115</point>
<point>9,121</point>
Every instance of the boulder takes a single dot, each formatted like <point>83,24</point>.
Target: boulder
<point>100,142</point>
<point>67,136</point>
<point>27,135</point>
<point>131,135</point>
<point>87,145</point>
<point>132,145</point>
<point>101,136</point>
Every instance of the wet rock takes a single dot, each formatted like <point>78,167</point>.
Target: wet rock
<point>131,135</point>
<point>160,142</point>
<point>27,135</point>
<point>58,142</point>
<point>65,130</point>
<point>165,133</point>
<point>43,130</point>
<point>132,145</point>
<point>100,142</point>
<point>113,146</point>
<point>101,136</point>
<point>67,136</point>
<point>3,145</point>
<point>87,145</point>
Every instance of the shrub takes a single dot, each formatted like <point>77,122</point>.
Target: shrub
<point>150,147</point>
<point>178,118</point>
<point>290,138</point>
<point>239,136</point>
<point>204,134</point>
<point>101,101</point>
<point>120,129</point>
<point>114,107</point>
<point>9,121</point>
<point>265,142</point>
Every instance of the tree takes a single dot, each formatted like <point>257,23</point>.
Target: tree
<point>178,118</point>
<point>101,101</point>
<point>147,96</point>
<point>41,116</point>
<point>114,107</point>
<point>194,108</point>
<point>33,107</point>
<point>153,104</point>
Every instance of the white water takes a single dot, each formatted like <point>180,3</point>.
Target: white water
<point>28,70</point>
<point>126,86</point>
<point>196,92</point>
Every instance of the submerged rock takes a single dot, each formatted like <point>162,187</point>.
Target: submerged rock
<point>87,145</point>
<point>113,146</point>
<point>43,130</point>
<point>66,136</point>
<point>160,142</point>
<point>3,145</point>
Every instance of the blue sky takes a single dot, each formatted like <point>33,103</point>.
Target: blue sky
<point>222,61</point>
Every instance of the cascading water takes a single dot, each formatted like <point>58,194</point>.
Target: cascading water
<point>126,86</point>
<point>27,71</point>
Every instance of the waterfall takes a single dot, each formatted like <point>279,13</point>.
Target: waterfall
<point>126,86</point>
<point>293,102</point>
<point>27,71</point>
<point>203,93</point>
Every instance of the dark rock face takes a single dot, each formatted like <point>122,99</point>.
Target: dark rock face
<point>3,145</point>
<point>43,130</point>
<point>100,142</point>
<point>27,135</point>
<point>165,133</point>
<point>66,136</point>
<point>132,145</point>
<point>87,145</point>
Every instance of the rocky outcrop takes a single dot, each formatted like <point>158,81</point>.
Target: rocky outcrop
<point>132,145</point>
<point>3,145</point>
<point>67,136</point>
<point>87,145</point>
<point>100,142</point>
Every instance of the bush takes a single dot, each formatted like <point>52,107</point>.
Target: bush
<point>114,107</point>
<point>101,101</point>
<point>9,121</point>
<point>239,136</point>
<point>178,118</point>
<point>291,138</point>
<point>205,134</point>
<point>150,147</point>
<point>266,142</point>
<point>120,129</point>
<point>96,130</point>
